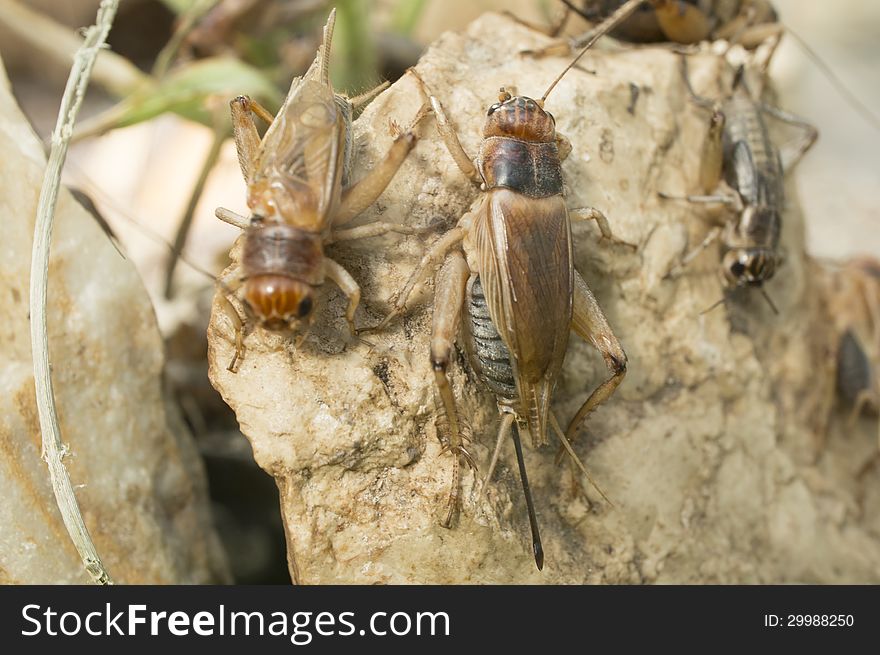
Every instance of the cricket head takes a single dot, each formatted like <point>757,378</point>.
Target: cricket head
<point>748,266</point>
<point>278,302</point>
<point>520,117</point>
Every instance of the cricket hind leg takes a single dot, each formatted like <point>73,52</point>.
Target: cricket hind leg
<point>566,445</point>
<point>590,324</point>
<point>504,427</point>
<point>363,193</point>
<point>448,302</point>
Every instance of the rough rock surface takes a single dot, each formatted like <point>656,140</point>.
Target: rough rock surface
<point>138,478</point>
<point>708,449</point>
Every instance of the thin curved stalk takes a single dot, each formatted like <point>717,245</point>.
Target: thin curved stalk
<point>53,448</point>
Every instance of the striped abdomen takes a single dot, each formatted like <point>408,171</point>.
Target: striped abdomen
<point>490,356</point>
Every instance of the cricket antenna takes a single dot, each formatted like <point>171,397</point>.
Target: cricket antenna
<point>537,549</point>
<point>598,32</point>
<point>769,300</point>
<point>860,107</point>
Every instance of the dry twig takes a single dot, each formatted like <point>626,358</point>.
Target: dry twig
<point>53,448</point>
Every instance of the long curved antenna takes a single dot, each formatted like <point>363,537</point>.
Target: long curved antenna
<point>620,15</point>
<point>861,108</point>
<point>537,548</point>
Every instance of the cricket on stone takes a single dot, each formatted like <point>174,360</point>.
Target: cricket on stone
<point>739,151</point>
<point>301,198</point>
<point>507,286</point>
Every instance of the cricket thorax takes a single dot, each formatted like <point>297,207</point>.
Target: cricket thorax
<point>280,249</point>
<point>532,169</point>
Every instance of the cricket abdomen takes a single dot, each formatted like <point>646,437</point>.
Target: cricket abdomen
<point>490,354</point>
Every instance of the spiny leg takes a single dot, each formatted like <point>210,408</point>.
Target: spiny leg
<point>436,253</point>
<point>448,301</point>
<point>364,192</point>
<point>448,134</point>
<point>350,288</point>
<point>244,132</point>
<point>593,214</point>
<point>589,323</point>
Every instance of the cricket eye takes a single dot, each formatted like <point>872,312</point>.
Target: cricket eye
<point>305,307</point>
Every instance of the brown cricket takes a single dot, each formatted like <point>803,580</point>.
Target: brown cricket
<point>747,22</point>
<point>301,198</point>
<point>507,286</point>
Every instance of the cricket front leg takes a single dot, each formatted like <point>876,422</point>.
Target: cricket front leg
<point>448,134</point>
<point>593,214</point>
<point>590,324</point>
<point>435,254</point>
<point>448,301</point>
<point>227,287</point>
<point>349,287</point>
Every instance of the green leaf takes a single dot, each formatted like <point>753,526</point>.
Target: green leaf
<point>185,91</point>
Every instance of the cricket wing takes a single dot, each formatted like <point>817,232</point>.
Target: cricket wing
<point>303,152</point>
<point>527,275</point>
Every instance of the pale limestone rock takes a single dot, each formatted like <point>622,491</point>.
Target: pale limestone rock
<point>137,475</point>
<point>707,449</point>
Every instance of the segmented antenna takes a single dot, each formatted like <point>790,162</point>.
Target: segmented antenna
<point>860,107</point>
<point>537,548</point>
<point>620,15</point>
